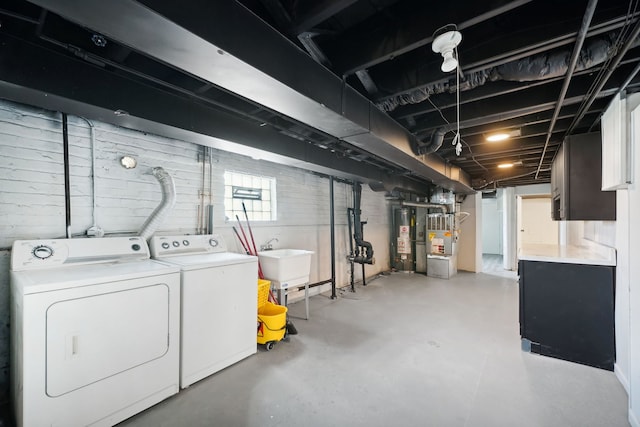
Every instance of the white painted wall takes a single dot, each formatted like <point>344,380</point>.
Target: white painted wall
<point>470,243</point>
<point>509,228</point>
<point>32,195</point>
<point>491,226</point>
<point>622,364</point>
<point>634,278</point>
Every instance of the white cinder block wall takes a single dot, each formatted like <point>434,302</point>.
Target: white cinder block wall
<point>32,195</point>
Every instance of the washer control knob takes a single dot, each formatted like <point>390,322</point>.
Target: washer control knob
<point>213,242</point>
<point>165,245</point>
<point>185,242</point>
<point>175,243</point>
<point>135,247</point>
<point>42,252</point>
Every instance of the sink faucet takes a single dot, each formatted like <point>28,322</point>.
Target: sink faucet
<point>267,246</point>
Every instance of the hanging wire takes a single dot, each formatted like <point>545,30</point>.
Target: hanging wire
<point>461,139</point>
<point>456,139</point>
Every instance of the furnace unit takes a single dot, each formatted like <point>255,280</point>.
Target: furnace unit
<point>441,241</point>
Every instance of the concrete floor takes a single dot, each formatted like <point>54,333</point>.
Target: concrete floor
<point>406,350</point>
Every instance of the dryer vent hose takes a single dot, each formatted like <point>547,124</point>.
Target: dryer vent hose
<point>164,208</point>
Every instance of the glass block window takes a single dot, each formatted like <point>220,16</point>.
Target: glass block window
<point>258,193</point>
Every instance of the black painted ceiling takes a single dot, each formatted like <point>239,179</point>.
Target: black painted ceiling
<point>515,53</point>
<point>514,58</point>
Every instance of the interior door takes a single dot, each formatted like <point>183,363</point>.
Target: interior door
<point>535,225</point>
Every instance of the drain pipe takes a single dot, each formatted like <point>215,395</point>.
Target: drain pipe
<point>67,185</point>
<point>332,224</point>
<point>367,256</point>
<point>166,205</point>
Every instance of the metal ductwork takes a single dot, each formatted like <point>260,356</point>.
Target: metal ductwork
<point>542,66</point>
<point>225,44</point>
<point>164,208</point>
<point>437,138</point>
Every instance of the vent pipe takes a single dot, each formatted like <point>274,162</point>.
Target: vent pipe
<point>166,205</point>
<point>443,208</point>
<point>436,142</point>
<point>367,256</point>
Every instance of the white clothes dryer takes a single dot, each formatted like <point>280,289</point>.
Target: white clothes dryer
<point>218,303</point>
<point>94,331</point>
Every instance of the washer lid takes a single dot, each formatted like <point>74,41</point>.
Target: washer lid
<point>192,262</point>
<point>35,281</point>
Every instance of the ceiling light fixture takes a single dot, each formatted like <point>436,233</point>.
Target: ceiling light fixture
<point>497,137</point>
<point>502,135</point>
<point>505,165</point>
<point>444,44</point>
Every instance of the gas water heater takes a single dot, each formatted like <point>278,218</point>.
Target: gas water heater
<point>403,243</point>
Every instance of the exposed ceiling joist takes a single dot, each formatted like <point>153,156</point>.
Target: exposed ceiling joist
<point>418,24</point>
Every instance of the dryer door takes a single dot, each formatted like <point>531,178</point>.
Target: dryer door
<point>92,338</point>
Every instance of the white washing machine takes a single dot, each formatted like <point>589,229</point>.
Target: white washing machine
<point>218,303</point>
<point>94,331</point>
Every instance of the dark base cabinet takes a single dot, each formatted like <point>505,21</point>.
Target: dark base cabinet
<point>567,311</point>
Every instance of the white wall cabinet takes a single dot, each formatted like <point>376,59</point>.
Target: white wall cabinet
<point>616,142</point>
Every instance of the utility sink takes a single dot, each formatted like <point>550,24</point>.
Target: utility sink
<point>288,267</point>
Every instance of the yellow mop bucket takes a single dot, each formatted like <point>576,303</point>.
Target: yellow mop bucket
<point>263,292</point>
<point>272,324</point>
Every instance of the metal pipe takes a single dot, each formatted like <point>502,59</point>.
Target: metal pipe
<point>92,143</point>
<point>333,239</point>
<point>201,220</point>
<point>351,252</point>
<point>616,61</point>
<point>364,281</point>
<point>67,185</point>
<point>443,208</point>
<point>623,86</point>
<point>367,254</point>
<point>582,34</point>
<point>210,207</point>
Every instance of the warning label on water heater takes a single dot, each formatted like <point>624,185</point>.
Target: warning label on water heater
<point>404,245</point>
<point>404,240</point>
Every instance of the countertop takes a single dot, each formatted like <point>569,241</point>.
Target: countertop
<point>569,254</point>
